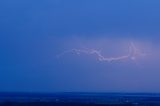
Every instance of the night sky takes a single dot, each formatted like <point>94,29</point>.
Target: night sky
<point>34,32</point>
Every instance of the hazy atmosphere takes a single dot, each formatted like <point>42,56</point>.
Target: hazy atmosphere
<point>79,46</point>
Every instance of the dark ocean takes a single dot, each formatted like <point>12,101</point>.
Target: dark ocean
<point>79,99</point>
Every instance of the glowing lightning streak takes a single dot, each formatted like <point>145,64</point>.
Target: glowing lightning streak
<point>133,53</point>
<point>136,52</point>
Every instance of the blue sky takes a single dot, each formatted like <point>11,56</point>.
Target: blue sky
<point>33,32</point>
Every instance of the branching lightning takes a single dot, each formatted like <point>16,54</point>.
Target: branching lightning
<point>132,54</point>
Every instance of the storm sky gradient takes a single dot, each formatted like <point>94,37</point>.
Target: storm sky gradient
<point>34,32</point>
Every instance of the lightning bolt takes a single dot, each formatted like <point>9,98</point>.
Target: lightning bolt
<point>133,53</point>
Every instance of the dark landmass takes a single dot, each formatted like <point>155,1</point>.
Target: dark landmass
<point>79,99</point>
